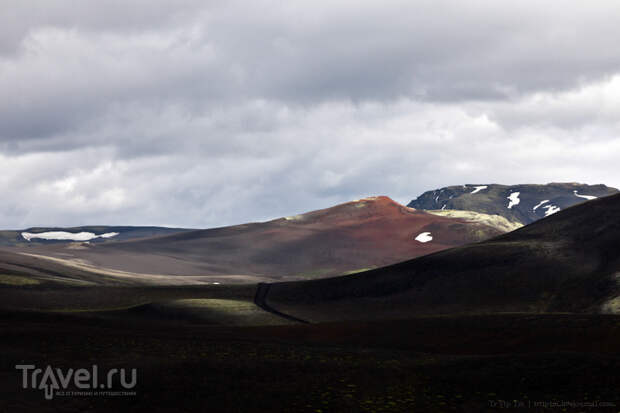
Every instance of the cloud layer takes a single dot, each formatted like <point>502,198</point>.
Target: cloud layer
<point>200,114</point>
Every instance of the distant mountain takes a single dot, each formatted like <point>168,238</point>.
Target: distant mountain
<point>349,237</point>
<point>521,204</point>
<point>97,233</point>
<point>567,262</point>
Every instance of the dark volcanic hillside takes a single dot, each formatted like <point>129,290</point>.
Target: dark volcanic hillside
<point>354,236</point>
<point>517,203</point>
<point>568,262</point>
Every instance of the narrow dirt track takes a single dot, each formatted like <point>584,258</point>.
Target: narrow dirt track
<point>260,299</point>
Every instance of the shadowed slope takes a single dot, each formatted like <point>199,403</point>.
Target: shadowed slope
<point>567,262</point>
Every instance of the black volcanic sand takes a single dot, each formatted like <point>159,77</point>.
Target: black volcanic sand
<point>430,364</point>
<point>194,354</point>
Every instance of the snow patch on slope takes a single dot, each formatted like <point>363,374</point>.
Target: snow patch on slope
<point>66,236</point>
<point>540,204</point>
<point>514,199</point>
<point>551,209</point>
<point>588,197</point>
<point>424,237</point>
<point>478,189</point>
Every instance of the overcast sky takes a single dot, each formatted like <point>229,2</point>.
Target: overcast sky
<point>208,113</point>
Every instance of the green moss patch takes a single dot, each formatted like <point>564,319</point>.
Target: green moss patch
<point>10,279</point>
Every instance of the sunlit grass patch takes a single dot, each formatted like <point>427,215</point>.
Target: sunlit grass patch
<point>358,270</point>
<point>223,311</point>
<point>217,304</point>
<point>10,279</point>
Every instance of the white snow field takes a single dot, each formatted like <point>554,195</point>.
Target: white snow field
<point>588,197</point>
<point>514,199</point>
<point>67,236</point>
<point>478,189</point>
<point>424,237</point>
<point>551,209</point>
<point>540,204</point>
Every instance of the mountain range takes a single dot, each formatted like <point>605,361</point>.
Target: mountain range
<point>365,306</point>
<point>520,204</point>
<point>567,262</point>
<point>350,237</point>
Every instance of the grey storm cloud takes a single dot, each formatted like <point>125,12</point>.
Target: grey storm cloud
<point>202,113</point>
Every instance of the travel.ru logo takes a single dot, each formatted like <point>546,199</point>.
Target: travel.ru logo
<point>56,381</point>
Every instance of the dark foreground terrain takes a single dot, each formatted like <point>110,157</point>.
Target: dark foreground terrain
<point>527,321</point>
<point>193,363</point>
